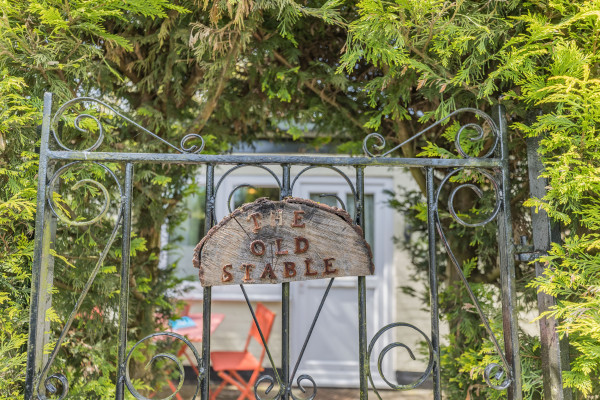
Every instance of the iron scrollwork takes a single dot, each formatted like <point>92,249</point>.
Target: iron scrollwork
<point>56,210</point>
<point>77,123</point>
<point>90,124</point>
<point>380,140</point>
<point>391,346</point>
<point>168,356</point>
<point>271,380</point>
<point>339,172</point>
<point>52,388</point>
<point>375,141</point>
<point>503,371</point>
<point>232,192</point>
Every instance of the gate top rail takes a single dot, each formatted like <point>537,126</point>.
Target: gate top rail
<point>273,159</point>
<point>192,154</point>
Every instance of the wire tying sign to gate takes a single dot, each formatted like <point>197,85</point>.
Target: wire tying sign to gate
<point>282,241</point>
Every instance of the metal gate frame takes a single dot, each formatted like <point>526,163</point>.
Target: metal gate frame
<point>493,165</point>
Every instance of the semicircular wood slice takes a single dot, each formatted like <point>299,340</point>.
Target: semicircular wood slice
<point>282,241</point>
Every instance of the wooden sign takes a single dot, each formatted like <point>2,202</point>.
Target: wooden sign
<point>282,241</point>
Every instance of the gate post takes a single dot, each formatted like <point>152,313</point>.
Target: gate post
<point>363,361</point>
<point>507,265</point>
<point>554,352</point>
<point>42,274</point>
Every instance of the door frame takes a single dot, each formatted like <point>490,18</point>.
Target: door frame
<point>382,283</point>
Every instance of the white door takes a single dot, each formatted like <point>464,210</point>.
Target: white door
<point>331,356</point>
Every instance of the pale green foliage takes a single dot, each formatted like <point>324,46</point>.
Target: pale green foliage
<point>43,46</point>
<point>227,70</point>
<point>236,70</point>
<point>17,211</point>
<point>437,56</point>
<point>441,49</point>
<point>542,57</point>
<point>556,65</point>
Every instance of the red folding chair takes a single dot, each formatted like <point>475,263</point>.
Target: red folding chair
<point>228,363</point>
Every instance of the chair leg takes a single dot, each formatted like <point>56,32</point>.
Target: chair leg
<point>238,377</point>
<point>192,363</point>
<point>249,389</point>
<point>239,383</point>
<point>216,392</point>
<point>234,378</point>
<point>174,389</point>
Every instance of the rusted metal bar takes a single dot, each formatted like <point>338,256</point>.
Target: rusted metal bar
<point>207,295</point>
<point>42,275</point>
<point>263,159</point>
<point>363,360</point>
<point>124,293</point>
<point>285,298</point>
<point>433,283</point>
<point>507,266</point>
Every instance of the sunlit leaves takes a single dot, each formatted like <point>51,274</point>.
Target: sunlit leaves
<point>556,64</point>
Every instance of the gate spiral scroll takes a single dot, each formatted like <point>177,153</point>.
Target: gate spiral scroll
<point>391,346</point>
<point>479,128</point>
<point>56,210</point>
<point>279,395</point>
<point>377,143</point>
<point>183,147</point>
<point>168,356</point>
<point>504,371</point>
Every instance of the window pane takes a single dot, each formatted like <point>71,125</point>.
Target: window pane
<point>249,194</point>
<point>328,200</point>
<point>191,230</point>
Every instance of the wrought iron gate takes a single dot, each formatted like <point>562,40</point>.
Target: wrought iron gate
<point>56,158</point>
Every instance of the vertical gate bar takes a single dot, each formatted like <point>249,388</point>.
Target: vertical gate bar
<point>124,293</point>
<point>363,361</point>
<point>507,265</point>
<point>285,301</point>
<point>42,269</point>
<point>554,351</point>
<point>433,284</point>
<point>207,295</point>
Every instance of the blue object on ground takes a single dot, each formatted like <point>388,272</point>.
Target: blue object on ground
<point>183,322</point>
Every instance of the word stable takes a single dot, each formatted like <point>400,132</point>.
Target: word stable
<point>282,241</point>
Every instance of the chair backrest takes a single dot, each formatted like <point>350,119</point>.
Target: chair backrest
<point>265,318</point>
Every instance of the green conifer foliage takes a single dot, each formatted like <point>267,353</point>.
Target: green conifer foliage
<point>227,71</point>
<point>234,71</point>
<point>17,213</point>
<point>555,63</point>
<point>541,58</point>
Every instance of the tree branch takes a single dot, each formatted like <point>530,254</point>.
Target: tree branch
<point>191,86</point>
<point>200,122</point>
<point>329,100</point>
